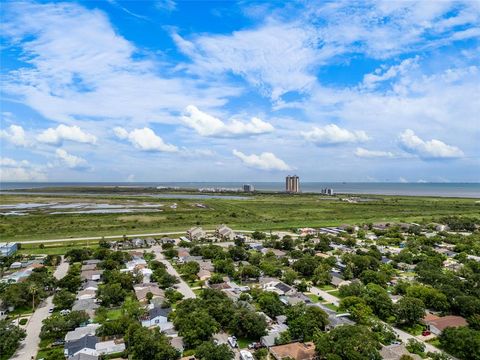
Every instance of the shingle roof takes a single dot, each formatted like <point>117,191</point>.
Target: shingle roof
<point>88,341</point>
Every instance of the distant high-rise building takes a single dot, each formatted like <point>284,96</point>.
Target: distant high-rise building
<point>292,184</point>
<point>248,188</point>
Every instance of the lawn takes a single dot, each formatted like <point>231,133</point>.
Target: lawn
<point>243,343</point>
<point>331,306</point>
<point>327,287</point>
<point>335,293</point>
<point>413,330</point>
<point>260,212</point>
<point>314,298</point>
<point>114,314</point>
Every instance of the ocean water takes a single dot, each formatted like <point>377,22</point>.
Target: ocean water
<point>469,190</point>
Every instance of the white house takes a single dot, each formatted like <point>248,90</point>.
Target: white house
<point>156,316</point>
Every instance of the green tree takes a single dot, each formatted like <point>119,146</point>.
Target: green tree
<point>462,342</point>
<point>322,275</point>
<point>10,337</point>
<point>416,347</point>
<point>270,303</point>
<point>348,342</point>
<point>303,321</point>
<point>289,276</point>
<point>63,299</point>
<point>149,344</point>
<point>209,351</point>
<point>409,310</point>
<point>247,323</point>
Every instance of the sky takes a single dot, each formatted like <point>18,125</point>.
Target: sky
<point>240,91</point>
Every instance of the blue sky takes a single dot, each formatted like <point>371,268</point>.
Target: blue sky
<point>240,91</point>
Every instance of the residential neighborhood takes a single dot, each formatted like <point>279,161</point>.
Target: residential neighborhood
<point>397,290</point>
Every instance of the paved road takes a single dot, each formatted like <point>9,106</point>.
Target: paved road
<point>116,237</point>
<point>29,346</point>
<point>182,286</point>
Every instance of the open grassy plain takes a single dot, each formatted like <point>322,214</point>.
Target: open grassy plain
<point>258,212</point>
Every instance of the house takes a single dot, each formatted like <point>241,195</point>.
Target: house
<point>196,233</point>
<point>90,285</point>
<point>8,248</point>
<point>295,299</point>
<point>167,240</point>
<point>87,305</point>
<point>84,345</point>
<point>89,267</point>
<point>86,294</point>
<point>141,291</point>
<point>338,280</point>
<point>94,275</point>
<point>334,319</point>
<point>273,334</point>
<point>278,253</point>
<point>396,351</point>
<point>437,324</point>
<point>155,316</point>
<point>110,347</point>
<point>82,331</point>
<point>82,356</point>
<point>92,262</point>
<point>278,287</point>
<point>225,233</point>
<point>204,274</point>
<point>296,351</point>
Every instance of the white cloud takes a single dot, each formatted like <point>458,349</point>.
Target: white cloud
<point>13,170</point>
<point>71,161</point>
<point>276,58</point>
<point>370,81</point>
<point>144,139</point>
<point>208,125</point>
<point>431,149</point>
<point>63,132</point>
<point>14,134</point>
<point>333,135</point>
<point>365,153</point>
<point>264,161</point>
<point>92,72</point>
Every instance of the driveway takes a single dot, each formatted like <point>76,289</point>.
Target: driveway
<point>182,286</point>
<point>29,346</point>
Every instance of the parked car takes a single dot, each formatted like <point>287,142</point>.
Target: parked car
<point>232,340</point>
<point>50,310</point>
<point>426,332</point>
<point>65,312</point>
<point>246,355</point>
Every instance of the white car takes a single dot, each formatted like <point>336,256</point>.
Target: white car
<point>232,340</point>
<point>246,355</point>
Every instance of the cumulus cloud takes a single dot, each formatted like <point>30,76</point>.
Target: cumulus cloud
<point>56,136</point>
<point>207,125</point>
<point>13,170</point>
<point>431,149</point>
<point>14,134</point>
<point>144,139</point>
<point>333,135</point>
<point>69,160</point>
<point>264,161</point>
<point>365,153</point>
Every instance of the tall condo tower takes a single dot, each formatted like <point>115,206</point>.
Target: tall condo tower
<point>292,184</point>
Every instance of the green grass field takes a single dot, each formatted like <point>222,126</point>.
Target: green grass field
<point>259,212</point>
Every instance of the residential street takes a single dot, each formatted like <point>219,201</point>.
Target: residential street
<point>182,286</point>
<point>29,346</point>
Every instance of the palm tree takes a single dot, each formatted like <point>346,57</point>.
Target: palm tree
<point>32,289</point>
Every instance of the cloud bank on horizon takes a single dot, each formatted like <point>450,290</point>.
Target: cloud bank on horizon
<point>164,91</point>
